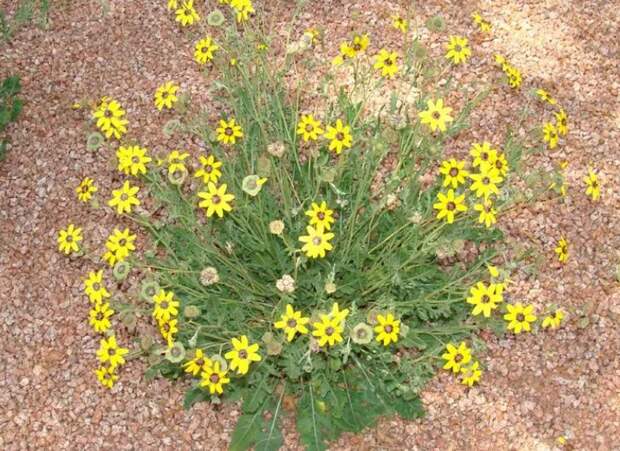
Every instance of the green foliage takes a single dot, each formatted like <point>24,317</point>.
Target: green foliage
<point>10,107</point>
<point>28,11</point>
<point>386,257</point>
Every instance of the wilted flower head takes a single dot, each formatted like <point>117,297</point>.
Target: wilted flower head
<point>330,287</point>
<point>276,149</point>
<point>362,334</point>
<point>252,184</point>
<point>216,18</point>
<point>121,270</point>
<point>148,290</point>
<point>175,353</point>
<point>191,311</point>
<point>392,202</point>
<point>209,276</point>
<point>177,176</point>
<point>276,227</point>
<point>286,284</point>
<point>94,141</point>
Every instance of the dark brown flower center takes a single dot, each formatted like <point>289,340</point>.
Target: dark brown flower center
<point>291,323</point>
<point>199,362</point>
<point>228,131</point>
<point>458,357</point>
<point>164,305</point>
<point>320,215</point>
<point>436,115</point>
<point>329,331</point>
<point>85,188</point>
<point>135,159</point>
<point>208,169</point>
<point>243,354</point>
<point>388,329</point>
<point>124,197</point>
<point>122,242</point>
<point>484,156</point>
<point>357,47</point>
<point>388,62</point>
<point>99,316</point>
<point>96,286</point>
<point>69,238</point>
<point>107,113</point>
<point>111,351</point>
<point>520,317</point>
<point>594,184</point>
<point>340,136</point>
<point>454,172</point>
<point>216,199</point>
<point>486,180</point>
<point>486,298</point>
<point>316,240</point>
<point>499,164</point>
<point>450,206</point>
<point>309,128</point>
<point>214,378</point>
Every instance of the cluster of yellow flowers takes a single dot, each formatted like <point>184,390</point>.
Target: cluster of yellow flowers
<point>483,25</point>
<point>316,242</point>
<point>110,354</point>
<point>187,15</point>
<point>512,73</point>
<point>386,61</point>
<point>165,312</point>
<point>492,168</point>
<point>339,135</point>
<point>459,362</point>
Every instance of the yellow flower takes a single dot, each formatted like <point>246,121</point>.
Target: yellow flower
<point>109,116</point>
<point>132,160</point>
<point>453,172</point>
<point>593,188</point>
<point>484,298</point>
<point>309,128</point>
<point>99,317</point>
<point>292,322</point>
<point>483,25</point>
<point>493,271</point>
<point>340,137</point>
<point>316,242</point>
<point>550,135</point>
<point>186,14</point>
<point>485,183</point>
<point>553,321</point>
<point>124,198</point>
<point>456,357</point>
<point>107,376</point>
<point>561,122</point>
<point>470,374</point>
<point>173,5</point>
<point>216,200</point>
<point>166,307</point>
<point>385,61</point>
<point>199,363</point>
<point>119,245</point>
<point>457,49</point>
<point>165,96</point>
<point>320,216</point>
<point>175,161</point>
<point>328,331</point>
<point>94,287</point>
<point>482,153</point>
<point>487,213</point>
<point>345,52</point>
<point>387,329</point>
<point>243,8</point>
<point>243,354</point>
<point>400,24</point>
<point>360,43</point>
<point>501,164</point>
<point>314,35</point>
<point>209,170</point>
<point>562,250</point>
<point>110,352</point>
<point>229,131</point>
<point>86,189</point>
<point>167,329</point>
<point>545,96</point>
<point>519,317</point>
<point>214,378</point>
<point>336,313</point>
<point>436,116</point>
<point>68,239</point>
<point>449,205</point>
<point>513,74</point>
<point>204,49</point>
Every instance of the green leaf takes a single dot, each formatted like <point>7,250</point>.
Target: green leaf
<point>408,410</point>
<point>247,431</point>
<point>194,395</point>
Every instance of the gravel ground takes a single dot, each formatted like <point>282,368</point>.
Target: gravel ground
<point>536,388</point>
